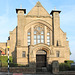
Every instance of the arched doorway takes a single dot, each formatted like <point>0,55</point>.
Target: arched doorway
<point>41,59</point>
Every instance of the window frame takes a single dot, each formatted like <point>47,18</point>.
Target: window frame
<point>57,53</point>
<point>23,54</point>
<point>28,37</point>
<point>39,33</point>
<point>48,37</point>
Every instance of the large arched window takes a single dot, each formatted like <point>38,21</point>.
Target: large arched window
<point>38,34</point>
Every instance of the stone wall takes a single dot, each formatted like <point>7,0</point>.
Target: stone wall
<point>67,73</point>
<point>18,69</point>
<point>3,45</point>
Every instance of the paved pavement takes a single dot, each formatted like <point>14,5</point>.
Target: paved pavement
<point>3,73</point>
<point>60,73</point>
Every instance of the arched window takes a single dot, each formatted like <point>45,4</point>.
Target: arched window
<point>38,34</point>
<point>48,36</point>
<point>29,37</point>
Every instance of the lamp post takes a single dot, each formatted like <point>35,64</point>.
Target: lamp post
<point>8,58</point>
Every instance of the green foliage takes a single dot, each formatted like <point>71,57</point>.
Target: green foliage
<point>70,53</point>
<point>17,65</point>
<point>4,60</point>
<point>64,67</point>
<point>73,68</point>
<point>13,64</point>
<point>69,61</point>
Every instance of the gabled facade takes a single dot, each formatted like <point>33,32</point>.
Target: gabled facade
<point>38,38</point>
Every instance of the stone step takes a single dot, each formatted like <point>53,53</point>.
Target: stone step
<point>43,69</point>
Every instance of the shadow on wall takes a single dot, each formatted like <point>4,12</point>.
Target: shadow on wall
<point>14,53</point>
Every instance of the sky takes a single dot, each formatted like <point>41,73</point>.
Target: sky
<point>8,17</point>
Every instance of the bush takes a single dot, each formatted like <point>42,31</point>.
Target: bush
<point>64,67</point>
<point>17,65</point>
<point>69,61</point>
<point>13,64</point>
<point>4,60</point>
<point>73,68</point>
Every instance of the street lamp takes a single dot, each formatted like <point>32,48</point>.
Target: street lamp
<point>8,57</point>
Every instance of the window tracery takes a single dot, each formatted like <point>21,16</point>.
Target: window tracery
<point>38,34</point>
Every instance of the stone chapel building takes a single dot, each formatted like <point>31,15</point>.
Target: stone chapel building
<point>37,38</point>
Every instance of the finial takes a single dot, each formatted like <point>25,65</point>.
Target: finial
<point>55,8</point>
<point>20,6</point>
<point>38,4</point>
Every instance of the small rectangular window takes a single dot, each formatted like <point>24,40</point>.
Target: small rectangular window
<point>57,53</point>
<point>23,54</point>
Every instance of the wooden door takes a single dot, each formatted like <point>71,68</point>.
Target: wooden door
<point>40,61</point>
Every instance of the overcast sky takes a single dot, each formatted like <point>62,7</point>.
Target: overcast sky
<point>8,17</point>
